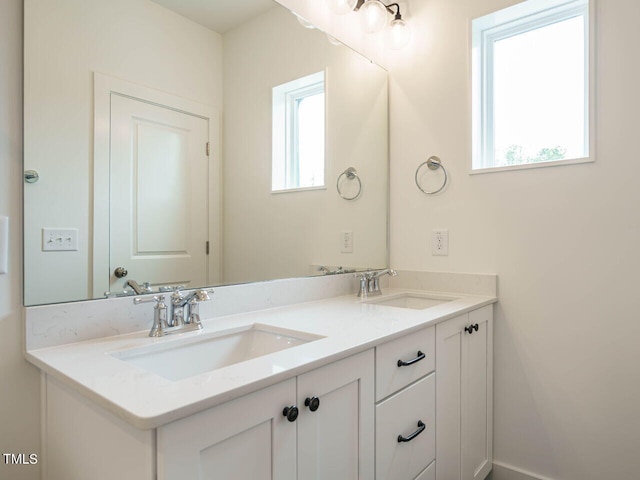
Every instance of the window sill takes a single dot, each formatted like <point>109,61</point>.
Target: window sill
<point>302,189</point>
<point>527,166</point>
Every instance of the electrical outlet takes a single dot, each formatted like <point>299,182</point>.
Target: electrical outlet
<point>440,242</point>
<point>347,242</point>
<point>59,239</point>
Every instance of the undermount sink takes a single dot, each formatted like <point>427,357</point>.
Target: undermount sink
<point>182,359</point>
<point>415,301</point>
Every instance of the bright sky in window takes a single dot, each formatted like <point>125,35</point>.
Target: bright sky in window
<point>311,140</point>
<point>539,96</point>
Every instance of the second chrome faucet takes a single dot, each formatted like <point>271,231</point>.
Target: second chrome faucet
<point>184,312</point>
<point>370,281</point>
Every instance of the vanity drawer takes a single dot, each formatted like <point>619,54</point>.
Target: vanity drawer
<point>389,376</point>
<point>399,415</point>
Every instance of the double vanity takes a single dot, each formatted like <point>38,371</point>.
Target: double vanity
<point>396,386</point>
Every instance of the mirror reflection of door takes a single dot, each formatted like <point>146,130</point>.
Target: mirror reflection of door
<point>159,191</point>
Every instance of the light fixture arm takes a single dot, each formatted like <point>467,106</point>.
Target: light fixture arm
<point>396,15</point>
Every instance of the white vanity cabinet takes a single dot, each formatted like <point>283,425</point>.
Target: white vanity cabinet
<point>464,396</point>
<point>250,438</point>
<point>418,407</point>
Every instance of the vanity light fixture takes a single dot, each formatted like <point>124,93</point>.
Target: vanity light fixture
<point>374,16</point>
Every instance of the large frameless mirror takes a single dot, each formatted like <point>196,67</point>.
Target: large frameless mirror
<point>195,143</point>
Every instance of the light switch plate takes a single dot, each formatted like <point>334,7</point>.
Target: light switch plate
<point>4,245</point>
<point>59,239</point>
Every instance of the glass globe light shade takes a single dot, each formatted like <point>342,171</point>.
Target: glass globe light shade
<point>374,16</point>
<point>399,34</point>
<point>340,7</point>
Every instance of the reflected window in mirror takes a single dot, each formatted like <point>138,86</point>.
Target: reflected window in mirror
<point>299,134</point>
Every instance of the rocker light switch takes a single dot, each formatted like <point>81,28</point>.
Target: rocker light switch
<point>4,245</point>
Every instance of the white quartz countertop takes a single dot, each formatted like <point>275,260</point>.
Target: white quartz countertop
<point>147,400</point>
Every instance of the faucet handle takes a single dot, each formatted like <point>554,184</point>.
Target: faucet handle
<point>177,296</point>
<point>156,298</point>
<point>202,295</point>
<point>194,310</point>
<point>160,326</point>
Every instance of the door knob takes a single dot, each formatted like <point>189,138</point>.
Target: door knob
<point>120,272</point>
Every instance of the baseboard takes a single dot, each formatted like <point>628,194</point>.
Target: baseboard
<point>503,471</point>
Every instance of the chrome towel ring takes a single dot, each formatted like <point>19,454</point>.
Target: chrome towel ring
<point>350,173</point>
<point>433,163</point>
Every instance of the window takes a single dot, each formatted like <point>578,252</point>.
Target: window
<point>298,134</point>
<point>531,85</point>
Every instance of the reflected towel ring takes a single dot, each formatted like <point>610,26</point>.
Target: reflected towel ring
<point>434,163</point>
<point>350,173</point>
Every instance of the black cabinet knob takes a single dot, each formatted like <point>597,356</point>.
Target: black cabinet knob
<point>291,413</point>
<point>312,402</point>
<point>471,328</point>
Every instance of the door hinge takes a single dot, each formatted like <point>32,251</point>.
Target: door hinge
<point>207,248</point>
<point>208,149</point>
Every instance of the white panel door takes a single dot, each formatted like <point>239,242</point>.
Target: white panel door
<point>336,441</point>
<point>244,439</point>
<point>159,194</point>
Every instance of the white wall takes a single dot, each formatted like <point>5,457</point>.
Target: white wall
<point>564,242</point>
<point>19,381</point>
<point>288,233</point>
<point>66,41</point>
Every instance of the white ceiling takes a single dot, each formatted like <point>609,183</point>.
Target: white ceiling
<point>218,15</point>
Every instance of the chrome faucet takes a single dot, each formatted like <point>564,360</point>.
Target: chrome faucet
<point>364,278</point>
<point>131,287</point>
<point>180,302</point>
<point>370,281</point>
<point>165,324</point>
<point>374,282</point>
<point>135,286</point>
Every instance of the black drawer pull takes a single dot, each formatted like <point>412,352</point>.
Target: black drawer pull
<point>420,356</point>
<point>421,427</point>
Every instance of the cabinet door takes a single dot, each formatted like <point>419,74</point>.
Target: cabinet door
<point>477,396</point>
<point>464,397</point>
<point>245,439</point>
<point>449,339</point>
<point>336,441</point>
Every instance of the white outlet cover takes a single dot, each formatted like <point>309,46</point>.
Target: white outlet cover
<point>347,242</point>
<point>440,242</point>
